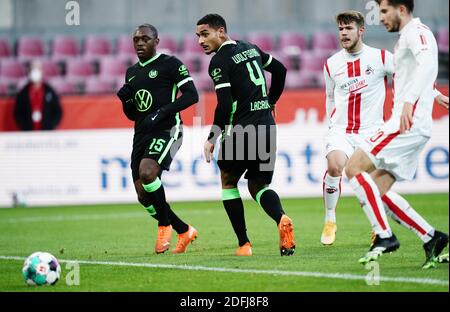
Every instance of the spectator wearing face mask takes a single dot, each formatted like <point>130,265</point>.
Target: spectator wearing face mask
<point>37,105</point>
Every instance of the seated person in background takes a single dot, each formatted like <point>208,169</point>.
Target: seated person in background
<point>37,105</point>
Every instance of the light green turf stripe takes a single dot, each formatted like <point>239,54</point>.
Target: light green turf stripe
<point>151,187</point>
<point>233,110</point>
<point>258,196</point>
<point>150,60</point>
<point>151,210</point>
<point>228,194</point>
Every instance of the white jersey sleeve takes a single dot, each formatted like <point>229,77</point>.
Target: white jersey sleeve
<point>329,91</point>
<point>416,68</point>
<point>425,65</point>
<point>388,63</point>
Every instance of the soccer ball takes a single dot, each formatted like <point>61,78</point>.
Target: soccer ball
<point>41,268</point>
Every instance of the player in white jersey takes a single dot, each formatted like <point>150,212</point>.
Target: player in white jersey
<point>356,82</point>
<point>391,154</point>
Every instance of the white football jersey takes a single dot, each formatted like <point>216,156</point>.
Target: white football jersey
<point>356,89</point>
<point>416,68</point>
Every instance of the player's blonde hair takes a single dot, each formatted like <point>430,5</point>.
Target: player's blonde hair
<point>348,17</point>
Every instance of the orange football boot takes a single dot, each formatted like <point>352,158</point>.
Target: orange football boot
<point>184,239</point>
<point>287,240</point>
<point>163,239</point>
<point>244,250</point>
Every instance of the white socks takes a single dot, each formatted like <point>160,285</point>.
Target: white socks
<point>369,196</point>
<point>331,194</point>
<point>399,209</point>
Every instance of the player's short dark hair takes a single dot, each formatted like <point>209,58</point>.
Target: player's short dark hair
<point>151,27</point>
<point>348,17</point>
<point>409,4</point>
<point>214,21</point>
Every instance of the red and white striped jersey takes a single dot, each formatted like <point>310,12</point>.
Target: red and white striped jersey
<point>356,89</point>
<point>416,68</point>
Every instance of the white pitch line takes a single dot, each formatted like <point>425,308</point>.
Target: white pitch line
<point>341,276</point>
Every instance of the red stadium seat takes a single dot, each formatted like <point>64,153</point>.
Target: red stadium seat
<point>205,60</point>
<point>112,67</point>
<point>96,85</point>
<point>64,47</point>
<point>292,42</point>
<point>96,47</point>
<point>192,61</point>
<point>11,87</point>
<point>268,77</point>
<point>190,44</point>
<point>325,41</point>
<point>5,50</point>
<point>167,44</point>
<point>30,47</point>
<point>21,83</point>
<point>63,86</point>
<point>290,62</point>
<point>320,80</point>
<point>298,79</point>
<point>235,36</point>
<point>263,41</point>
<point>50,68</point>
<point>4,88</point>
<point>77,69</point>
<point>11,69</point>
<point>118,82</point>
<point>125,51</point>
<point>442,39</point>
<point>312,61</point>
<point>202,81</point>
<point>125,46</point>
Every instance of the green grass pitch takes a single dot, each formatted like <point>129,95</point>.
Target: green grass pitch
<point>114,244</point>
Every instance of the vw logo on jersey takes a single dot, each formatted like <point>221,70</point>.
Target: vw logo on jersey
<point>153,73</point>
<point>143,100</point>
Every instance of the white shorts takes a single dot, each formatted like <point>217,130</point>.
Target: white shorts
<point>394,152</point>
<point>347,143</point>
